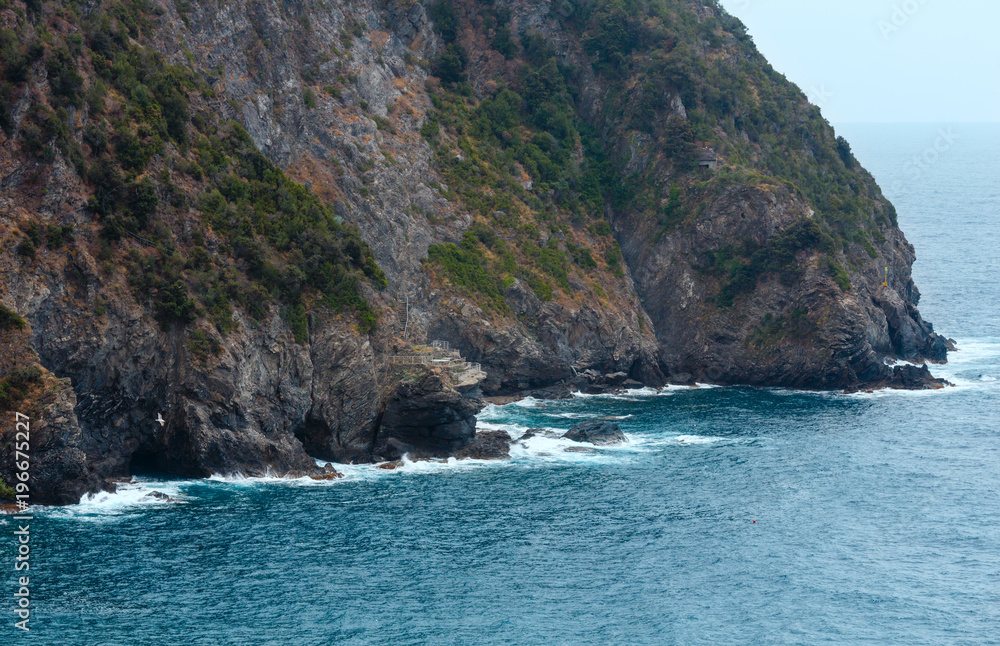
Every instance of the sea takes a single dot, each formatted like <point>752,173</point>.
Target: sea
<point>731,516</point>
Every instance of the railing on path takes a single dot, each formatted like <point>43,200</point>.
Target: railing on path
<point>451,363</point>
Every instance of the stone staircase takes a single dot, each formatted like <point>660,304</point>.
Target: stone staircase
<point>440,356</point>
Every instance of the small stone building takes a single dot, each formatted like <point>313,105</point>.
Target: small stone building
<point>708,158</point>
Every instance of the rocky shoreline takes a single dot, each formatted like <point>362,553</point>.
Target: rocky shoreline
<point>427,422</point>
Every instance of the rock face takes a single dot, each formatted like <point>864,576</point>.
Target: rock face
<point>337,149</point>
<point>60,470</point>
<point>809,333</point>
<point>599,433</point>
<point>425,418</point>
<point>41,424</point>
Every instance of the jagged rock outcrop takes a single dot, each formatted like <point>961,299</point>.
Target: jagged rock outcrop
<point>426,418</point>
<point>59,467</point>
<point>487,445</point>
<point>804,333</point>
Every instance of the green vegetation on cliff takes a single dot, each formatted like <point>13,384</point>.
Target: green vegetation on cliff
<point>674,76</point>
<point>150,143</point>
<point>524,162</point>
<point>647,52</point>
<point>9,319</point>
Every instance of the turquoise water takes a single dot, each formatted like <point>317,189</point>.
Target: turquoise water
<point>877,515</point>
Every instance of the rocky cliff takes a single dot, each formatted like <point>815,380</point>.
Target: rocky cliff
<point>237,215</point>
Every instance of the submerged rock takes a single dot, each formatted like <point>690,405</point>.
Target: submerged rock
<point>600,433</point>
<point>159,495</point>
<point>536,432</point>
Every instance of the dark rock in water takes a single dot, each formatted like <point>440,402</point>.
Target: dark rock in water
<point>487,445</point>
<point>559,391</point>
<point>426,418</point>
<point>632,384</point>
<point>328,476</point>
<point>389,466</point>
<point>159,495</point>
<point>532,432</point>
<point>907,377</point>
<point>328,473</point>
<point>935,348</point>
<point>596,433</point>
<point>913,378</point>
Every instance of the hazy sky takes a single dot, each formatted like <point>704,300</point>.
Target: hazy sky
<point>884,60</point>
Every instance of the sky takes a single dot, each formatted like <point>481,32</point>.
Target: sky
<point>884,61</point>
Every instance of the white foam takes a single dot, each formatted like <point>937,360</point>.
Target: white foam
<point>669,389</point>
<point>968,368</point>
<point>514,430</point>
<point>594,416</point>
<point>443,466</point>
<point>492,411</point>
<point>645,391</point>
<point>545,449</point>
<point>127,497</point>
<point>975,350</point>
<point>697,439</point>
<point>647,442</point>
<point>615,396</point>
<point>959,385</point>
<point>527,402</point>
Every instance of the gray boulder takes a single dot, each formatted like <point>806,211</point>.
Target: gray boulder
<point>600,433</point>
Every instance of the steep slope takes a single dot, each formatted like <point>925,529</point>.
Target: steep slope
<point>758,244</point>
<point>238,214</point>
<point>344,96</point>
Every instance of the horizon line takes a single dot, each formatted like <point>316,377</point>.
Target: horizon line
<point>916,123</point>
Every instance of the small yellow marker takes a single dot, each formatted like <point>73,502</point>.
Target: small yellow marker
<point>886,283</point>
